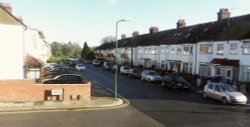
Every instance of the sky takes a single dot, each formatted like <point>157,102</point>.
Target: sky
<point>92,20</point>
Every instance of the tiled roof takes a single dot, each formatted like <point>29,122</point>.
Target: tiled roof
<point>235,28</point>
<point>7,18</point>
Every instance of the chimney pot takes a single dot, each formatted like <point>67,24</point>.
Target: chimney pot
<point>223,14</point>
<point>181,23</point>
<point>153,29</point>
<point>135,33</point>
<point>123,36</point>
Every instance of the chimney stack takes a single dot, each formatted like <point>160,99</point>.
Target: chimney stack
<point>153,29</point>
<point>181,23</point>
<point>223,14</point>
<point>123,36</point>
<point>6,6</point>
<point>135,33</point>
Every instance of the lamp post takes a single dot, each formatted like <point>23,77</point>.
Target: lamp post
<point>116,52</point>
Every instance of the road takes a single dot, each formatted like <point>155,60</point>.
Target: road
<point>151,106</point>
<point>172,108</point>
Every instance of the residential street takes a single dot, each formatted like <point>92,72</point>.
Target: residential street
<point>150,106</point>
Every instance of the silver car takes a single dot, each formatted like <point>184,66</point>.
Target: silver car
<point>224,93</point>
<point>150,76</point>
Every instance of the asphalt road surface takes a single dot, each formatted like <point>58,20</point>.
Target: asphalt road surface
<point>151,106</point>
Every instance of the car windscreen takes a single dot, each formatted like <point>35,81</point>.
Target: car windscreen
<point>153,73</point>
<point>227,88</point>
<point>179,79</point>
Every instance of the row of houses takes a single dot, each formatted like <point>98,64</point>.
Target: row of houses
<point>24,50</point>
<point>214,49</point>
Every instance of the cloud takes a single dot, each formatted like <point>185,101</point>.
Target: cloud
<point>113,2</point>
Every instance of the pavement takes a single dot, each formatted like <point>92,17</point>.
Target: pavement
<point>101,98</point>
<point>94,104</point>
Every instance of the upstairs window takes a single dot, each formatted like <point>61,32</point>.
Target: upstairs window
<point>233,49</point>
<point>187,50</point>
<point>206,48</point>
<point>220,49</point>
<point>172,51</point>
<point>246,49</point>
<point>178,51</point>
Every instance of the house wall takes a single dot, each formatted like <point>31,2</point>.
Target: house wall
<point>28,91</point>
<point>11,51</point>
<point>36,46</point>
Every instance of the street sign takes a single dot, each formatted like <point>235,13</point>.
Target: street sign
<point>57,92</point>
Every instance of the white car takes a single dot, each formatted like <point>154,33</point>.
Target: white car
<point>80,67</point>
<point>151,76</point>
<point>96,62</point>
<point>224,93</point>
<point>125,69</point>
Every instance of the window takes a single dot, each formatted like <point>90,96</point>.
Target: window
<point>220,49</point>
<point>204,70</point>
<point>206,48</point>
<point>178,51</point>
<point>245,76</point>
<point>217,88</point>
<point>233,49</point>
<point>187,50</point>
<point>164,50</point>
<point>246,48</point>
<point>218,70</point>
<point>172,51</point>
<point>187,67</point>
<point>210,86</point>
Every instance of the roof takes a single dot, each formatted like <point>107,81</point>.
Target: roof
<point>227,29</point>
<point>7,18</point>
<point>225,62</point>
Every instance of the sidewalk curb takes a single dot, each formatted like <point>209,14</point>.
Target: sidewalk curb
<point>126,101</point>
<point>12,107</point>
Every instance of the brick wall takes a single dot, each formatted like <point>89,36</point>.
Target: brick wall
<point>27,90</point>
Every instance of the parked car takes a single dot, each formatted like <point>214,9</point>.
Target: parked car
<point>224,93</point>
<point>56,71</point>
<point>107,65</point>
<point>136,73</point>
<point>65,79</point>
<point>151,76</point>
<point>80,67</point>
<point>114,67</point>
<point>125,69</point>
<point>96,62</point>
<point>176,82</point>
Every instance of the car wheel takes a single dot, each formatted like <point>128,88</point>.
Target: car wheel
<point>224,100</point>
<point>204,95</point>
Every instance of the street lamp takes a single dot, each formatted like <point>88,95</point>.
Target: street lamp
<point>116,52</point>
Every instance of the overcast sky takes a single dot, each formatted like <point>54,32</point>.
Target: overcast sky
<point>91,20</point>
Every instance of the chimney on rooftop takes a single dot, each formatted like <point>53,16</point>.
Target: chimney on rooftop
<point>135,33</point>
<point>153,29</point>
<point>6,6</point>
<point>181,23</point>
<point>123,36</point>
<point>223,14</point>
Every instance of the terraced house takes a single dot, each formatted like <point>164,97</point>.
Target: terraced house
<point>213,49</point>
<point>24,50</point>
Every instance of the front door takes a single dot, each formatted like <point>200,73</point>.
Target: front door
<point>228,74</point>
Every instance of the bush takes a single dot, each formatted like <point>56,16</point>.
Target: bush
<point>53,59</point>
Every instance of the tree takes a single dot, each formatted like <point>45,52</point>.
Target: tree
<point>87,53</point>
<point>108,39</point>
<point>68,50</point>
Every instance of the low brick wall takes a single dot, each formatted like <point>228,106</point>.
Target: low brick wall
<point>28,91</point>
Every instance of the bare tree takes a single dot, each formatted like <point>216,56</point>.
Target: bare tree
<point>108,39</point>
